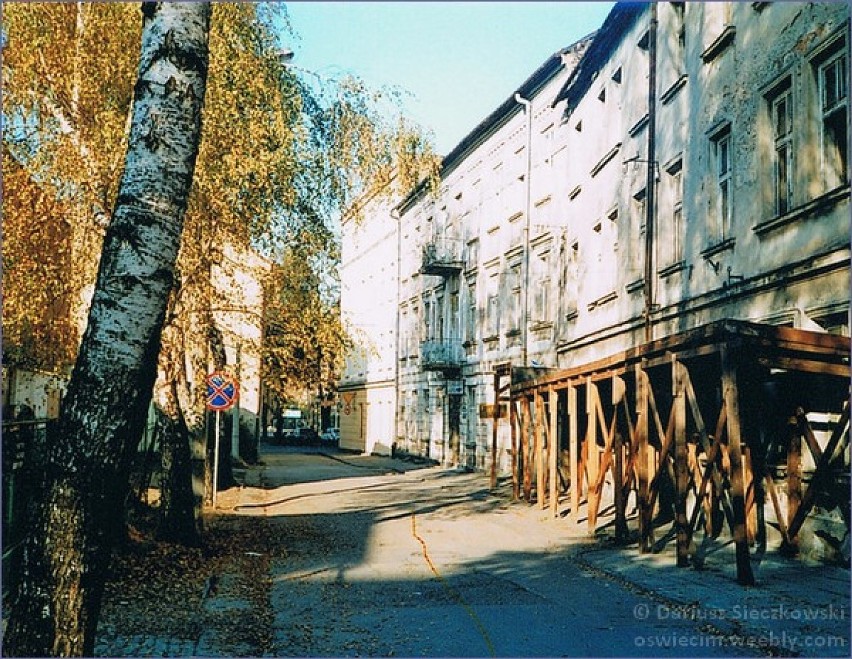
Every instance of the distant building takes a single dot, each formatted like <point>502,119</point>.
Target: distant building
<point>369,281</point>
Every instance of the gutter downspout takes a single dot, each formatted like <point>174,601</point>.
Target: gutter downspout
<point>650,210</point>
<point>526,275</point>
<point>395,215</point>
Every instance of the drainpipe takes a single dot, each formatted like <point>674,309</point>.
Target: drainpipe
<point>526,266</point>
<point>652,170</point>
<point>395,215</point>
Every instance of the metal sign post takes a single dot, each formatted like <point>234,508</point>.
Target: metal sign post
<point>222,393</point>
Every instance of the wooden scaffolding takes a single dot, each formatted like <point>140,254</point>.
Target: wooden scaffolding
<point>696,426</point>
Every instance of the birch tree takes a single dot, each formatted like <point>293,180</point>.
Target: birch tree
<point>56,602</point>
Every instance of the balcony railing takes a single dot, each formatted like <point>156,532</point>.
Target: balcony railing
<point>441,355</point>
<point>442,257</point>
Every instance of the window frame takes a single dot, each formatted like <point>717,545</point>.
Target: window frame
<point>834,54</point>
<point>674,180</point>
<point>721,141</point>
<point>782,146</point>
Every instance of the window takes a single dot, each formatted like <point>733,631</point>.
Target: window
<point>514,288</point>
<point>454,318</point>
<point>404,340</point>
<point>427,321</point>
<point>471,311</point>
<point>439,317</point>
<point>782,132</point>
<point>834,111</point>
<point>541,300</point>
<point>674,185</point>
<point>492,309</point>
<point>605,246</point>
<point>721,151</point>
<point>572,277</point>
<point>637,208</point>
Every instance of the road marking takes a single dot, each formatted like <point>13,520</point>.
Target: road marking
<point>452,591</point>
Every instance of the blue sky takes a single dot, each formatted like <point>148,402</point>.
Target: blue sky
<point>459,60</point>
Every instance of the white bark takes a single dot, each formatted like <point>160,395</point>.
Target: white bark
<point>56,604</point>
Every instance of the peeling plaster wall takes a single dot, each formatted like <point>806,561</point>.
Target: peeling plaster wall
<point>792,268</point>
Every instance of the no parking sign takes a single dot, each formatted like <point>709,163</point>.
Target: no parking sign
<point>222,391</point>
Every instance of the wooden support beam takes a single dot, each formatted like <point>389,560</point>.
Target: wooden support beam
<point>805,365</point>
<point>776,504</point>
<point>495,420</point>
<point>821,473</point>
<point>794,480</point>
<point>630,449</point>
<point>718,495</point>
<point>513,421</point>
<point>596,488</point>
<point>709,468</point>
<point>539,449</point>
<point>592,454</point>
<point>750,483</point>
<point>553,452</point>
<point>730,395</point>
<point>620,495</point>
<point>668,439</point>
<point>525,447</point>
<point>643,500</point>
<point>678,426</point>
<point>573,452</point>
<point>807,432</point>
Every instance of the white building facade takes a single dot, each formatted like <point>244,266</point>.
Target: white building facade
<point>536,250</point>
<point>369,279</point>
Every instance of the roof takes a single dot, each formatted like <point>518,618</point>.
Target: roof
<point>622,17</point>
<point>500,116</point>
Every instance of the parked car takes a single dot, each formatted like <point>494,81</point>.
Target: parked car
<point>331,435</point>
<point>307,436</point>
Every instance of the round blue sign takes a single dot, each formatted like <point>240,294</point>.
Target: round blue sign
<point>222,391</point>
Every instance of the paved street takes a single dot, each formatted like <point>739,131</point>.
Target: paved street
<point>372,556</point>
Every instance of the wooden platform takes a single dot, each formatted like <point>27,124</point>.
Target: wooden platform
<point>693,426</point>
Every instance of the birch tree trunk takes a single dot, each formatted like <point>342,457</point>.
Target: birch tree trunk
<point>56,600</point>
<point>180,404</point>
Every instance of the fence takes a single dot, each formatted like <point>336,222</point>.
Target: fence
<point>23,443</point>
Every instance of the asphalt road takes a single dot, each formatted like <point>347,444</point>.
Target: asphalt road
<point>383,558</point>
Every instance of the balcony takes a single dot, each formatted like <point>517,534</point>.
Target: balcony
<point>444,355</point>
<point>442,257</point>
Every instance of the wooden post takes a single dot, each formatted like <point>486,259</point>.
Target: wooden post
<point>750,483</point>
<point>618,392</point>
<point>794,478</point>
<point>621,533</point>
<point>525,447</point>
<point>553,453</point>
<point>513,421</point>
<point>495,419</point>
<point>592,456</point>
<point>782,525</point>
<point>539,449</point>
<point>681,464</point>
<point>730,396</point>
<point>573,452</point>
<point>645,531</point>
